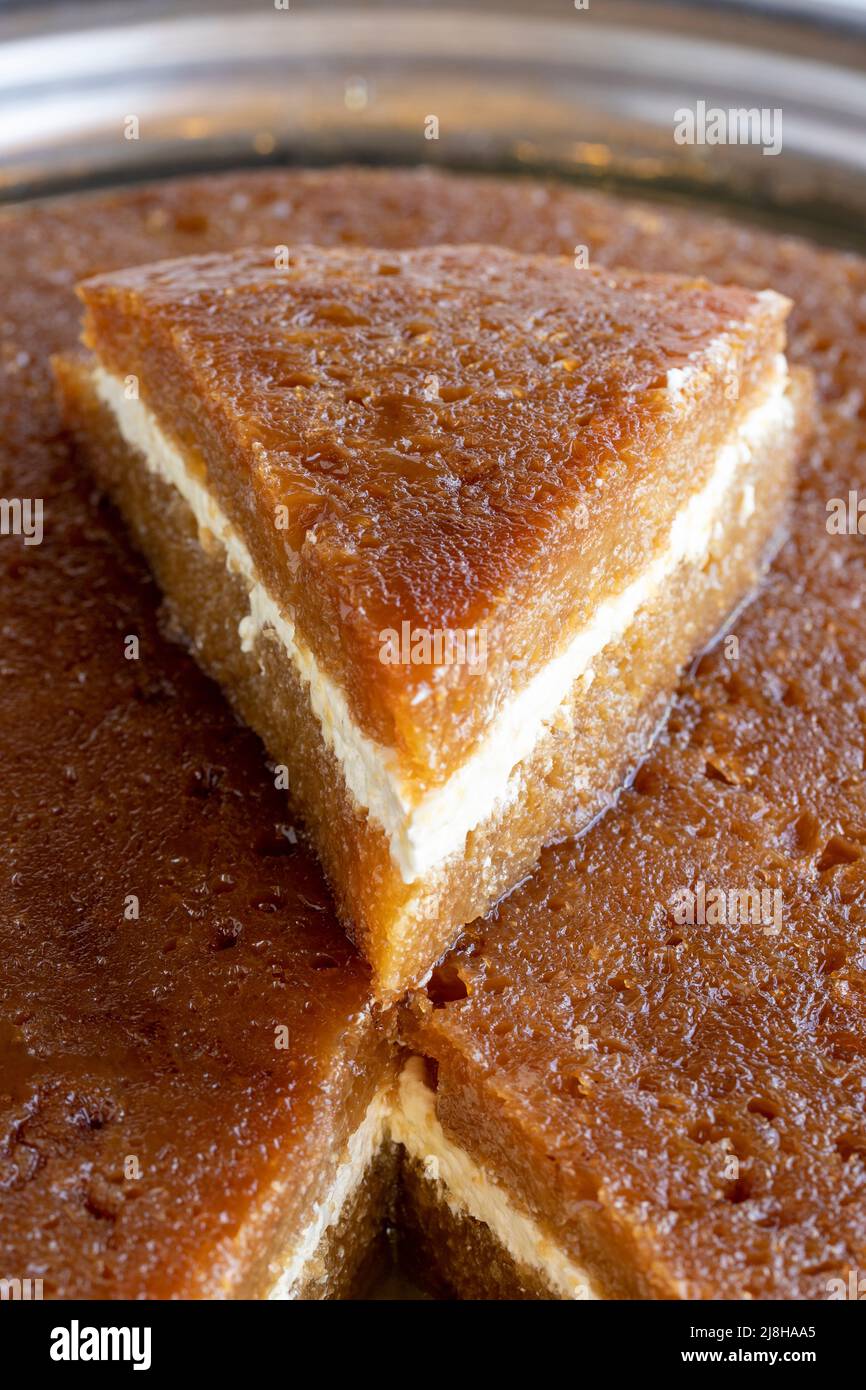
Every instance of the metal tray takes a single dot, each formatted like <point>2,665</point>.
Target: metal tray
<point>588,93</point>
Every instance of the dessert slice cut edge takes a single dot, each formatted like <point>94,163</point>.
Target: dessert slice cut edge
<point>407,876</point>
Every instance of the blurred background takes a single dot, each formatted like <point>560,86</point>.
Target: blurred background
<point>100,92</point>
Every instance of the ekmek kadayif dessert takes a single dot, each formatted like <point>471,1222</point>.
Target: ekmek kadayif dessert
<point>620,1100</point>
<point>737,1057</point>
<point>445,525</point>
<point>193,1085</point>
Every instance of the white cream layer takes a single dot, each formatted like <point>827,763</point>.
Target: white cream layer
<point>409,1118</point>
<point>426,828</point>
<point>469,1192</point>
<point>361,1150</point>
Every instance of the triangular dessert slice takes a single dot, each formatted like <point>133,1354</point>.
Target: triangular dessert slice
<point>446,525</point>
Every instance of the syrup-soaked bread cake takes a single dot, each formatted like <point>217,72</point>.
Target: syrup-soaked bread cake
<point>192,1081</point>
<point>445,525</point>
<point>632,1105</point>
<point>128,777</point>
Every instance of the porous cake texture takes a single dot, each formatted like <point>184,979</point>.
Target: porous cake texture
<point>445,525</point>
<point>695,1079</point>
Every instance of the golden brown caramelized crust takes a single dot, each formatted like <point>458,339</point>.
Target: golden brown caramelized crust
<point>448,438</point>
<point>163,931</point>
<point>114,1041</point>
<point>456,439</point>
<point>682,1103</point>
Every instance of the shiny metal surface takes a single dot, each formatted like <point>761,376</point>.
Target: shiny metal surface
<point>589,93</point>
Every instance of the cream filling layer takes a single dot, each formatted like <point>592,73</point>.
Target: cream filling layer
<point>468,1191</point>
<point>363,1146</point>
<point>425,828</point>
<point>409,1118</point>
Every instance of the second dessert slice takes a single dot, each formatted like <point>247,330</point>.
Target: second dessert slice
<point>446,525</point>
